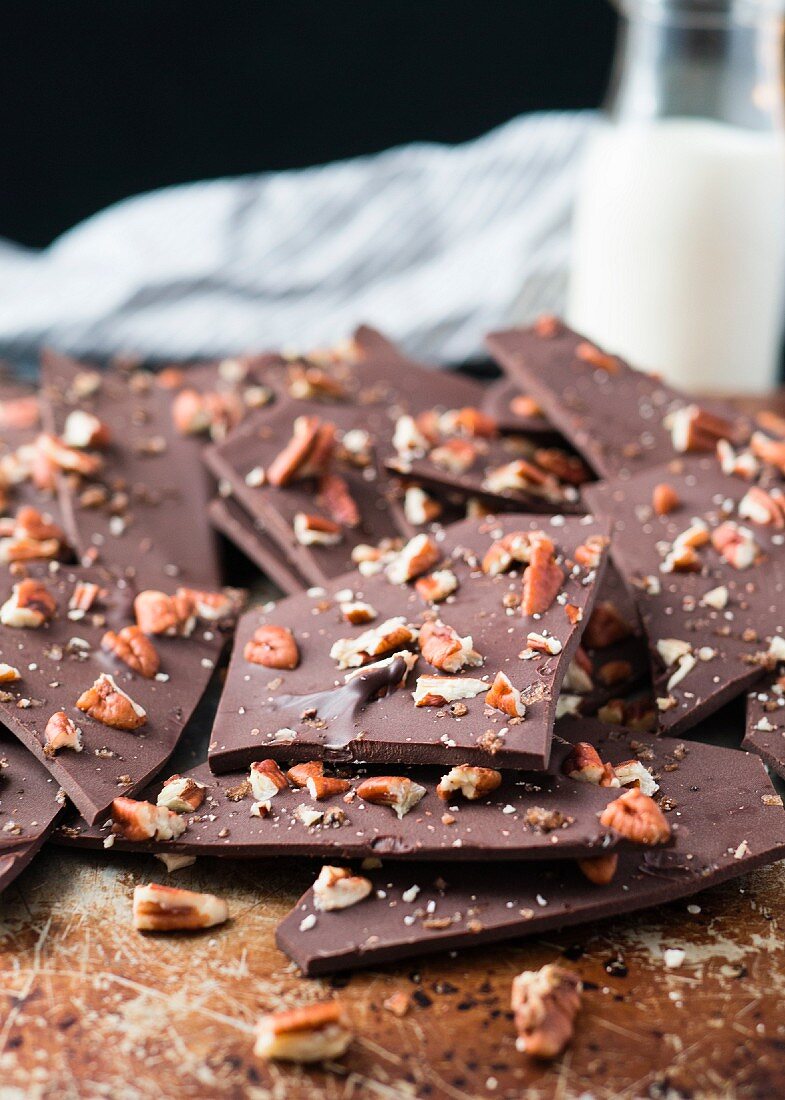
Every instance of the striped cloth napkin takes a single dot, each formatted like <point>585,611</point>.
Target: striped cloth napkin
<point>434,244</point>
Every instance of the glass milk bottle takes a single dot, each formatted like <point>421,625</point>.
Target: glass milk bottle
<point>678,258</point>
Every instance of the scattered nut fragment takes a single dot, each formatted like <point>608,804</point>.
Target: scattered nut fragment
<point>357,612</point>
<point>272,647</point>
<point>84,595</point>
<point>307,454</point>
<point>664,499</point>
<point>132,646</point>
<point>445,649</point>
<point>397,791</point>
<point>83,430</point>
<point>338,888</point>
<point>68,458</point>
<point>633,773</point>
<point>299,774</point>
<point>135,820</point>
<point>266,780</point>
<point>106,702</point>
<point>398,1003</point>
<point>542,578</point>
<point>545,1003</point>
<point>637,817</point>
<point>599,869</point>
<point>472,782</point>
<point>435,691</point>
<point>419,508</point>
<point>29,606</point>
<point>158,613</point>
<point>390,635</point>
<point>313,530</point>
<point>181,794</point>
<point>313,1033</point>
<point>326,786</point>
<point>172,909</point>
<point>504,697</point>
<point>436,586</point>
<point>174,861</point>
<point>209,606</point>
<point>418,556</point>
<point>9,674</point>
<point>584,764</point>
<point>61,733</point>
<point>694,429</point>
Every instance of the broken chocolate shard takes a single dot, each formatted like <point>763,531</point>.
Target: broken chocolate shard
<point>615,416</point>
<point>29,807</point>
<point>259,713</point>
<point>230,518</point>
<point>707,579</point>
<point>765,723</point>
<point>61,658</point>
<point>725,828</point>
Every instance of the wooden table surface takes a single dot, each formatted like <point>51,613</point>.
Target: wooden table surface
<point>90,1008</point>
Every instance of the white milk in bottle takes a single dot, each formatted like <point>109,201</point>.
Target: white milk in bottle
<point>678,256</point>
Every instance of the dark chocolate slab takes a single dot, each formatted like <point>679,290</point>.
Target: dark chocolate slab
<point>30,805</point>
<point>55,670</point>
<point>614,418</point>
<point>257,702</point>
<point>499,402</point>
<point>671,603</point>
<point>494,827</point>
<point>230,518</point>
<point>159,532</point>
<point>731,824</point>
<point>765,723</point>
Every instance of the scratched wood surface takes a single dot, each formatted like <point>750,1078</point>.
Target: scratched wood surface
<point>90,1008</point>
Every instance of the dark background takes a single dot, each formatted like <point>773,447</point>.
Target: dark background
<point>105,98</point>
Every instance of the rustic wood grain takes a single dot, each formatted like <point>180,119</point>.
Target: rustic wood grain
<point>90,1008</point>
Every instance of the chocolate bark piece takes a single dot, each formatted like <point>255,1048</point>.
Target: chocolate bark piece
<point>30,805</point>
<point>722,830</point>
<point>504,472</point>
<point>530,816</point>
<point>143,513</point>
<point>765,722</point>
<point>313,712</point>
<point>230,518</point>
<point>614,415</point>
<point>62,658</point>
<point>513,410</point>
<point>711,629</point>
<point>240,465</point>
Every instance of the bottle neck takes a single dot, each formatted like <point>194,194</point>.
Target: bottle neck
<point>684,58</point>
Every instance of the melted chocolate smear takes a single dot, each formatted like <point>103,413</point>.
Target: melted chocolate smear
<point>339,707</point>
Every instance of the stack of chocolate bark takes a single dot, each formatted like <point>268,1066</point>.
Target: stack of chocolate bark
<point>505,608</point>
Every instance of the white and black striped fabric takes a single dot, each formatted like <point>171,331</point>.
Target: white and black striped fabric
<point>433,244</point>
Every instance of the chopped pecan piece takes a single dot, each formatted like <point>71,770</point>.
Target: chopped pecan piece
<point>313,530</point>
<point>106,702</point>
<point>694,429</point>
<point>132,646</point>
<point>299,774</point>
<point>272,647</point>
<point>584,764</point>
<point>419,508</point>
<point>338,888</point>
<point>542,578</point>
<point>599,869</point>
<point>181,794</point>
<point>397,791</point>
<point>545,1003</point>
<point>313,1033</point>
<point>158,613</point>
<point>455,455</point>
<point>591,354</point>
<point>326,786</point>
<point>445,649</point>
<point>564,466</point>
<point>469,421</point>
<point>30,605</point>
<point>84,595</point>
<point>437,586</point>
<point>357,612</point>
<point>764,508</point>
<point>664,499</point>
<point>266,780</point>
<point>136,821</point>
<point>336,499</point>
<point>771,451</point>
<point>172,909</point>
<point>637,817</point>
<point>61,733</point>
<point>308,453</point>
<point>632,773</point>
<point>83,430</point>
<point>735,544</point>
<point>504,697</point>
<point>436,691</point>
<point>514,547</point>
<point>419,555</point>
<point>212,607</point>
<point>390,635</point>
<point>472,782</point>
<point>66,458</point>
<point>589,553</point>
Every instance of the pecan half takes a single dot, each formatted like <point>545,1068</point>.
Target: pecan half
<point>132,646</point>
<point>134,820</point>
<point>545,1003</point>
<point>445,649</point>
<point>637,817</point>
<point>172,909</point>
<point>109,704</point>
<point>313,1033</point>
<point>272,647</point>
<point>472,782</point>
<point>338,888</point>
<point>61,733</point>
<point>397,791</point>
<point>181,794</point>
